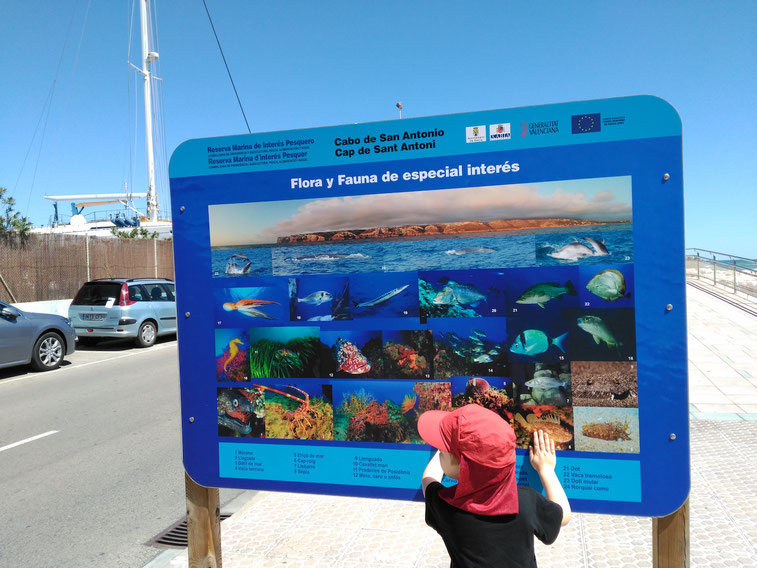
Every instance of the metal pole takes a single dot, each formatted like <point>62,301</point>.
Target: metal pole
<point>152,200</point>
<point>697,265</point>
<point>714,271</point>
<point>734,275</point>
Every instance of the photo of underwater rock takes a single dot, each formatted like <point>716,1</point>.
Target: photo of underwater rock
<point>542,383</point>
<point>472,349</point>
<point>610,244</point>
<point>408,354</point>
<point>605,383</point>
<point>461,294</point>
<point>433,396</point>
<point>377,295</point>
<point>302,411</point>
<point>349,354</point>
<point>319,298</point>
<point>241,307</point>
<point>232,355</point>
<point>384,413</point>
<point>614,430</point>
<point>602,334</point>
<point>494,393</point>
<point>241,413</point>
<point>606,286</point>
<point>555,421</point>
<point>281,352</point>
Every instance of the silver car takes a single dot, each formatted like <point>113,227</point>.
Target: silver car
<point>29,337</point>
<point>136,308</point>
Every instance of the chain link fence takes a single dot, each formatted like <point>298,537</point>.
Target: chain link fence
<point>53,267</point>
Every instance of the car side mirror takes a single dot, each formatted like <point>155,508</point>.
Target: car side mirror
<point>9,313</point>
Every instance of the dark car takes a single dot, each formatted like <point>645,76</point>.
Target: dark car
<point>135,308</point>
<point>29,337</point>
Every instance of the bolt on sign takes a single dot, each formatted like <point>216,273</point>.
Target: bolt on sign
<point>339,282</point>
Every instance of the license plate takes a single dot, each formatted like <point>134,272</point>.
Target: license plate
<point>93,317</point>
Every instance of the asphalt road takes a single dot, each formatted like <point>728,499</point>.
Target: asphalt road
<point>105,474</point>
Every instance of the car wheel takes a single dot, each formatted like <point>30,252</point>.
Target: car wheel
<point>88,341</point>
<point>147,334</point>
<point>48,352</point>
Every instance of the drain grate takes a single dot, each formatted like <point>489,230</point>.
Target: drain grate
<point>175,536</point>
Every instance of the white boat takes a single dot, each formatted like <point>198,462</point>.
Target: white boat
<point>128,217</point>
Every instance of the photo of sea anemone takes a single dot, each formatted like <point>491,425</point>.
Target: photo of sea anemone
<point>281,352</point>
<point>232,352</point>
<point>241,413</point>
<point>385,413</point>
<point>494,393</point>
<point>555,421</point>
<point>475,348</point>
<point>542,383</point>
<point>408,354</point>
<point>302,411</point>
<point>432,396</point>
<point>349,353</point>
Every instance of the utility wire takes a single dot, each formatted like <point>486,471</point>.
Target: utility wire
<point>227,66</point>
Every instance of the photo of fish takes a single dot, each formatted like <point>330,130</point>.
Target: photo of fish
<point>351,353</point>
<point>602,334</point>
<point>477,348</point>
<point>241,413</point>
<point>541,289</point>
<point>555,421</point>
<point>461,294</point>
<point>538,338</point>
<point>431,396</point>
<point>232,350</point>
<point>243,307</point>
<point>282,352</point>
<point>494,393</point>
<point>408,354</point>
<point>610,244</point>
<point>319,298</point>
<point>605,383</point>
<point>611,430</point>
<point>606,286</point>
<point>301,410</point>
<point>240,262</point>
<point>378,295</point>
<point>542,383</point>
<point>385,412</point>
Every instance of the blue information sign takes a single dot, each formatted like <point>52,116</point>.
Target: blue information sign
<point>335,283</point>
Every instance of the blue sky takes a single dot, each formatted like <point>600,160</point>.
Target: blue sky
<point>307,64</point>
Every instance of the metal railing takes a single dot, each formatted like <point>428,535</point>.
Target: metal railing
<point>727,270</point>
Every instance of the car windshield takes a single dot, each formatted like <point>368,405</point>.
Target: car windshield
<point>97,293</point>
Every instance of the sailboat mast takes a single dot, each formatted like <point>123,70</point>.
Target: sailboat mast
<point>147,58</point>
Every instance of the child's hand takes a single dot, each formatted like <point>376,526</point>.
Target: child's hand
<point>542,452</point>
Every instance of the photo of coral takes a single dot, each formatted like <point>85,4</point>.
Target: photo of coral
<point>433,396</point>
<point>555,421</point>
<point>542,383</point>
<point>605,383</point>
<point>408,354</point>
<point>463,348</point>
<point>241,413</point>
<point>494,393</point>
<point>349,354</point>
<point>232,355</point>
<point>284,352</point>
<point>302,411</point>
<point>614,430</point>
<point>385,412</point>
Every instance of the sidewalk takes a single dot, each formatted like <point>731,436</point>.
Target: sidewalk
<point>295,530</point>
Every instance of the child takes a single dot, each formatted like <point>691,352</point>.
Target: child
<point>486,519</point>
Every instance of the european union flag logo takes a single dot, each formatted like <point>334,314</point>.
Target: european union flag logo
<point>581,123</point>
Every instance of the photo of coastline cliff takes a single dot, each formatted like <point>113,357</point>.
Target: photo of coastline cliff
<point>460,228</point>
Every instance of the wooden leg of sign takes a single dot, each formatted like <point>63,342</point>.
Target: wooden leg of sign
<point>203,525</point>
<point>670,539</point>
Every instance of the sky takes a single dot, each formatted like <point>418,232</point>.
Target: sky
<point>70,106</point>
<point>598,199</point>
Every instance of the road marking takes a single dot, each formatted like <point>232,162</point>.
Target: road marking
<point>37,437</point>
<point>75,366</point>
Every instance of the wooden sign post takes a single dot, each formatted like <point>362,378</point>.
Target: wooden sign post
<point>203,525</point>
<point>670,539</point>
